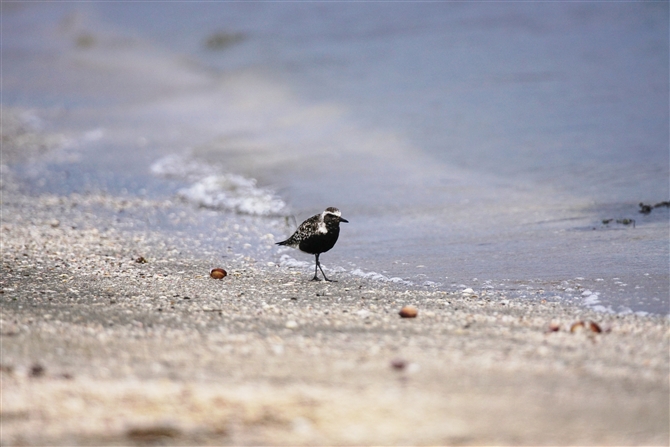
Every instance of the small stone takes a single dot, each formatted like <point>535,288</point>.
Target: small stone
<point>408,312</point>
<point>291,324</point>
<point>36,370</point>
<point>141,260</point>
<point>218,273</point>
<point>398,364</point>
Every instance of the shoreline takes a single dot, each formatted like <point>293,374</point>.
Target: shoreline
<point>124,352</point>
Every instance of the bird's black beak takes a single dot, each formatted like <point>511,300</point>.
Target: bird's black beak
<point>342,219</point>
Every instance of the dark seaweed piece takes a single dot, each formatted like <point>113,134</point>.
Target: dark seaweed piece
<point>645,209</point>
<point>626,222</point>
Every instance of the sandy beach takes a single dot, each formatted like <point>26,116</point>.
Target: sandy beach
<point>502,142</point>
<point>120,337</point>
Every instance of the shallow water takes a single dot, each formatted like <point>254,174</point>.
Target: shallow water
<point>478,145</point>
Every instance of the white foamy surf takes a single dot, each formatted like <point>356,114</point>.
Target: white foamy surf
<point>289,262</point>
<point>225,191</point>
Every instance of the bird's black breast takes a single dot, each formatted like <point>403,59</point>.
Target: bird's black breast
<point>320,242</point>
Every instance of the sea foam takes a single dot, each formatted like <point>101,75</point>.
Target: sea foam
<point>212,189</point>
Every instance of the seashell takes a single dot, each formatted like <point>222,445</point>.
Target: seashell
<point>578,326</point>
<point>218,273</point>
<point>595,327</point>
<point>408,312</point>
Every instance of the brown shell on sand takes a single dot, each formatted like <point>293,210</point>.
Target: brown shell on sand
<point>577,326</point>
<point>218,273</point>
<point>595,327</point>
<point>408,312</point>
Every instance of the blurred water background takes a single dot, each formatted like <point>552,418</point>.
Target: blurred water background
<point>486,145</point>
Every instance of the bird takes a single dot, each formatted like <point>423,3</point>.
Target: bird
<point>317,235</point>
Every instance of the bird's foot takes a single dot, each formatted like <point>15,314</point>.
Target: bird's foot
<point>316,278</point>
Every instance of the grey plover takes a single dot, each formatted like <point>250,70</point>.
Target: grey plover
<point>317,235</point>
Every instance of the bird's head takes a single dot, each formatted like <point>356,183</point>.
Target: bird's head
<point>333,214</point>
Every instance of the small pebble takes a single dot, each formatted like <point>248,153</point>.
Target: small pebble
<point>408,312</point>
<point>398,364</point>
<point>36,370</point>
<point>594,327</point>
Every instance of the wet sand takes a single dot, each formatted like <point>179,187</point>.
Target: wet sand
<point>100,349</point>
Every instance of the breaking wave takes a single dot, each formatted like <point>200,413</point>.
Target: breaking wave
<point>212,189</point>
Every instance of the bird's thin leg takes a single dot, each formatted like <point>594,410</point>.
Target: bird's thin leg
<point>318,264</point>
<point>316,278</point>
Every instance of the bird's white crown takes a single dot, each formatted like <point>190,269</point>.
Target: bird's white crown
<point>333,211</point>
